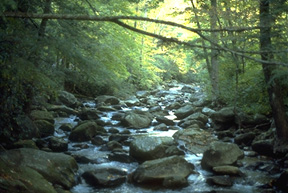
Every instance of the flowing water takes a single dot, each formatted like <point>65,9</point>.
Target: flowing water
<point>197,182</point>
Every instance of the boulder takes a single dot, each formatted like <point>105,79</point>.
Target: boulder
<point>142,94</point>
<point>28,143</point>
<point>199,117</point>
<point>88,114</point>
<point>220,154</point>
<point>105,177</point>
<point>56,168</point>
<point>121,157</point>
<point>264,147</point>
<point>45,128</point>
<point>227,170</point>
<point>245,139</point>
<point>42,115</point>
<point>26,127</point>
<point>58,144</point>
<point>220,181</point>
<point>149,148</point>
<point>282,181</point>
<point>137,119</point>
<point>207,111</point>
<point>108,100</point>
<point>184,111</point>
<point>161,127</point>
<point>60,109</point>
<point>14,178</point>
<point>196,140</point>
<point>66,127</point>
<point>67,98</point>
<point>86,131</point>
<point>169,172</point>
<point>166,121</point>
<point>225,115</point>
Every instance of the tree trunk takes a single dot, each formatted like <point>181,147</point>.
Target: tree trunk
<point>214,75</point>
<point>274,88</point>
<point>47,9</point>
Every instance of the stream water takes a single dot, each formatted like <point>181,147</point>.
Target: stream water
<point>197,182</point>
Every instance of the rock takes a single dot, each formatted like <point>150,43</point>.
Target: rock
<point>62,109</point>
<point>66,127</point>
<point>191,124</point>
<point>88,114</point>
<point>142,94</point>
<point>106,108</point>
<point>108,100</point>
<point>45,128</point>
<point>58,144</point>
<point>282,181</point>
<point>132,102</point>
<point>42,115</point>
<point>137,119</point>
<point>67,98</point>
<point>149,148</point>
<point>97,140</point>
<point>264,147</point>
<point>199,117</point>
<point>86,131</point>
<point>174,169</point>
<point>225,115</point>
<point>220,181</point>
<point>196,140</point>
<point>113,145</point>
<point>121,157</point>
<point>220,154</point>
<point>25,144</point>
<point>166,121</point>
<point>14,178</point>
<point>245,139</point>
<point>57,168</point>
<point>188,89</point>
<point>161,127</point>
<point>105,177</point>
<point>118,137</point>
<point>184,111</point>
<point>207,111</point>
<point>26,127</point>
<point>224,134</point>
<point>227,170</point>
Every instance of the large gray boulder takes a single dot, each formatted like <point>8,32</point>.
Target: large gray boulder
<point>169,172</point>
<point>137,119</point>
<point>45,128</point>
<point>149,148</point>
<point>42,115</point>
<point>224,115</point>
<point>67,98</point>
<point>184,111</point>
<point>108,100</point>
<point>86,131</point>
<point>105,177</point>
<point>56,168</point>
<point>221,154</point>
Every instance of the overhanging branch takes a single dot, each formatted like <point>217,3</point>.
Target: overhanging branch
<point>115,19</point>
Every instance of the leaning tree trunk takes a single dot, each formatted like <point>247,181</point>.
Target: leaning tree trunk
<point>274,88</point>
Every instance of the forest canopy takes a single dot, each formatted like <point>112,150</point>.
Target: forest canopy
<point>237,50</point>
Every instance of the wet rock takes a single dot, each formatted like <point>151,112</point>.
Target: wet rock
<point>67,98</point>
<point>97,140</point>
<point>224,115</point>
<point>220,154</point>
<point>137,119</point>
<point>188,89</point>
<point>60,109</point>
<point>227,170</point>
<point>86,131</point>
<point>184,111</point>
<point>106,108</point>
<point>207,111</point>
<point>45,128</point>
<point>121,157</point>
<point>245,139</point>
<point>58,144</point>
<point>56,168</point>
<point>14,178</point>
<point>66,127</point>
<point>113,145</point>
<point>253,120</point>
<point>118,116</point>
<point>282,181</point>
<point>113,130</point>
<point>196,140</point>
<point>88,114</point>
<point>198,117</point>
<point>172,106</point>
<point>264,147</point>
<point>191,124</point>
<point>24,129</point>
<point>161,127</point>
<point>42,115</point>
<point>105,177</point>
<point>25,144</point>
<point>220,181</point>
<point>149,148</point>
<point>108,100</point>
<point>132,101</point>
<point>160,172</point>
<point>223,134</point>
<point>142,94</point>
<point>118,137</point>
<point>166,121</point>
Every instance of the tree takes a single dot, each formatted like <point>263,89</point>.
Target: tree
<point>274,88</point>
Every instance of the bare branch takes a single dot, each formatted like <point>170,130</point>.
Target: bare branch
<point>115,19</point>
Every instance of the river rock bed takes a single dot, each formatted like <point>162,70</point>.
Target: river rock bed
<point>170,139</point>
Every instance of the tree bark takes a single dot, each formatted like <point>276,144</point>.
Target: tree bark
<point>274,88</point>
<point>47,9</point>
